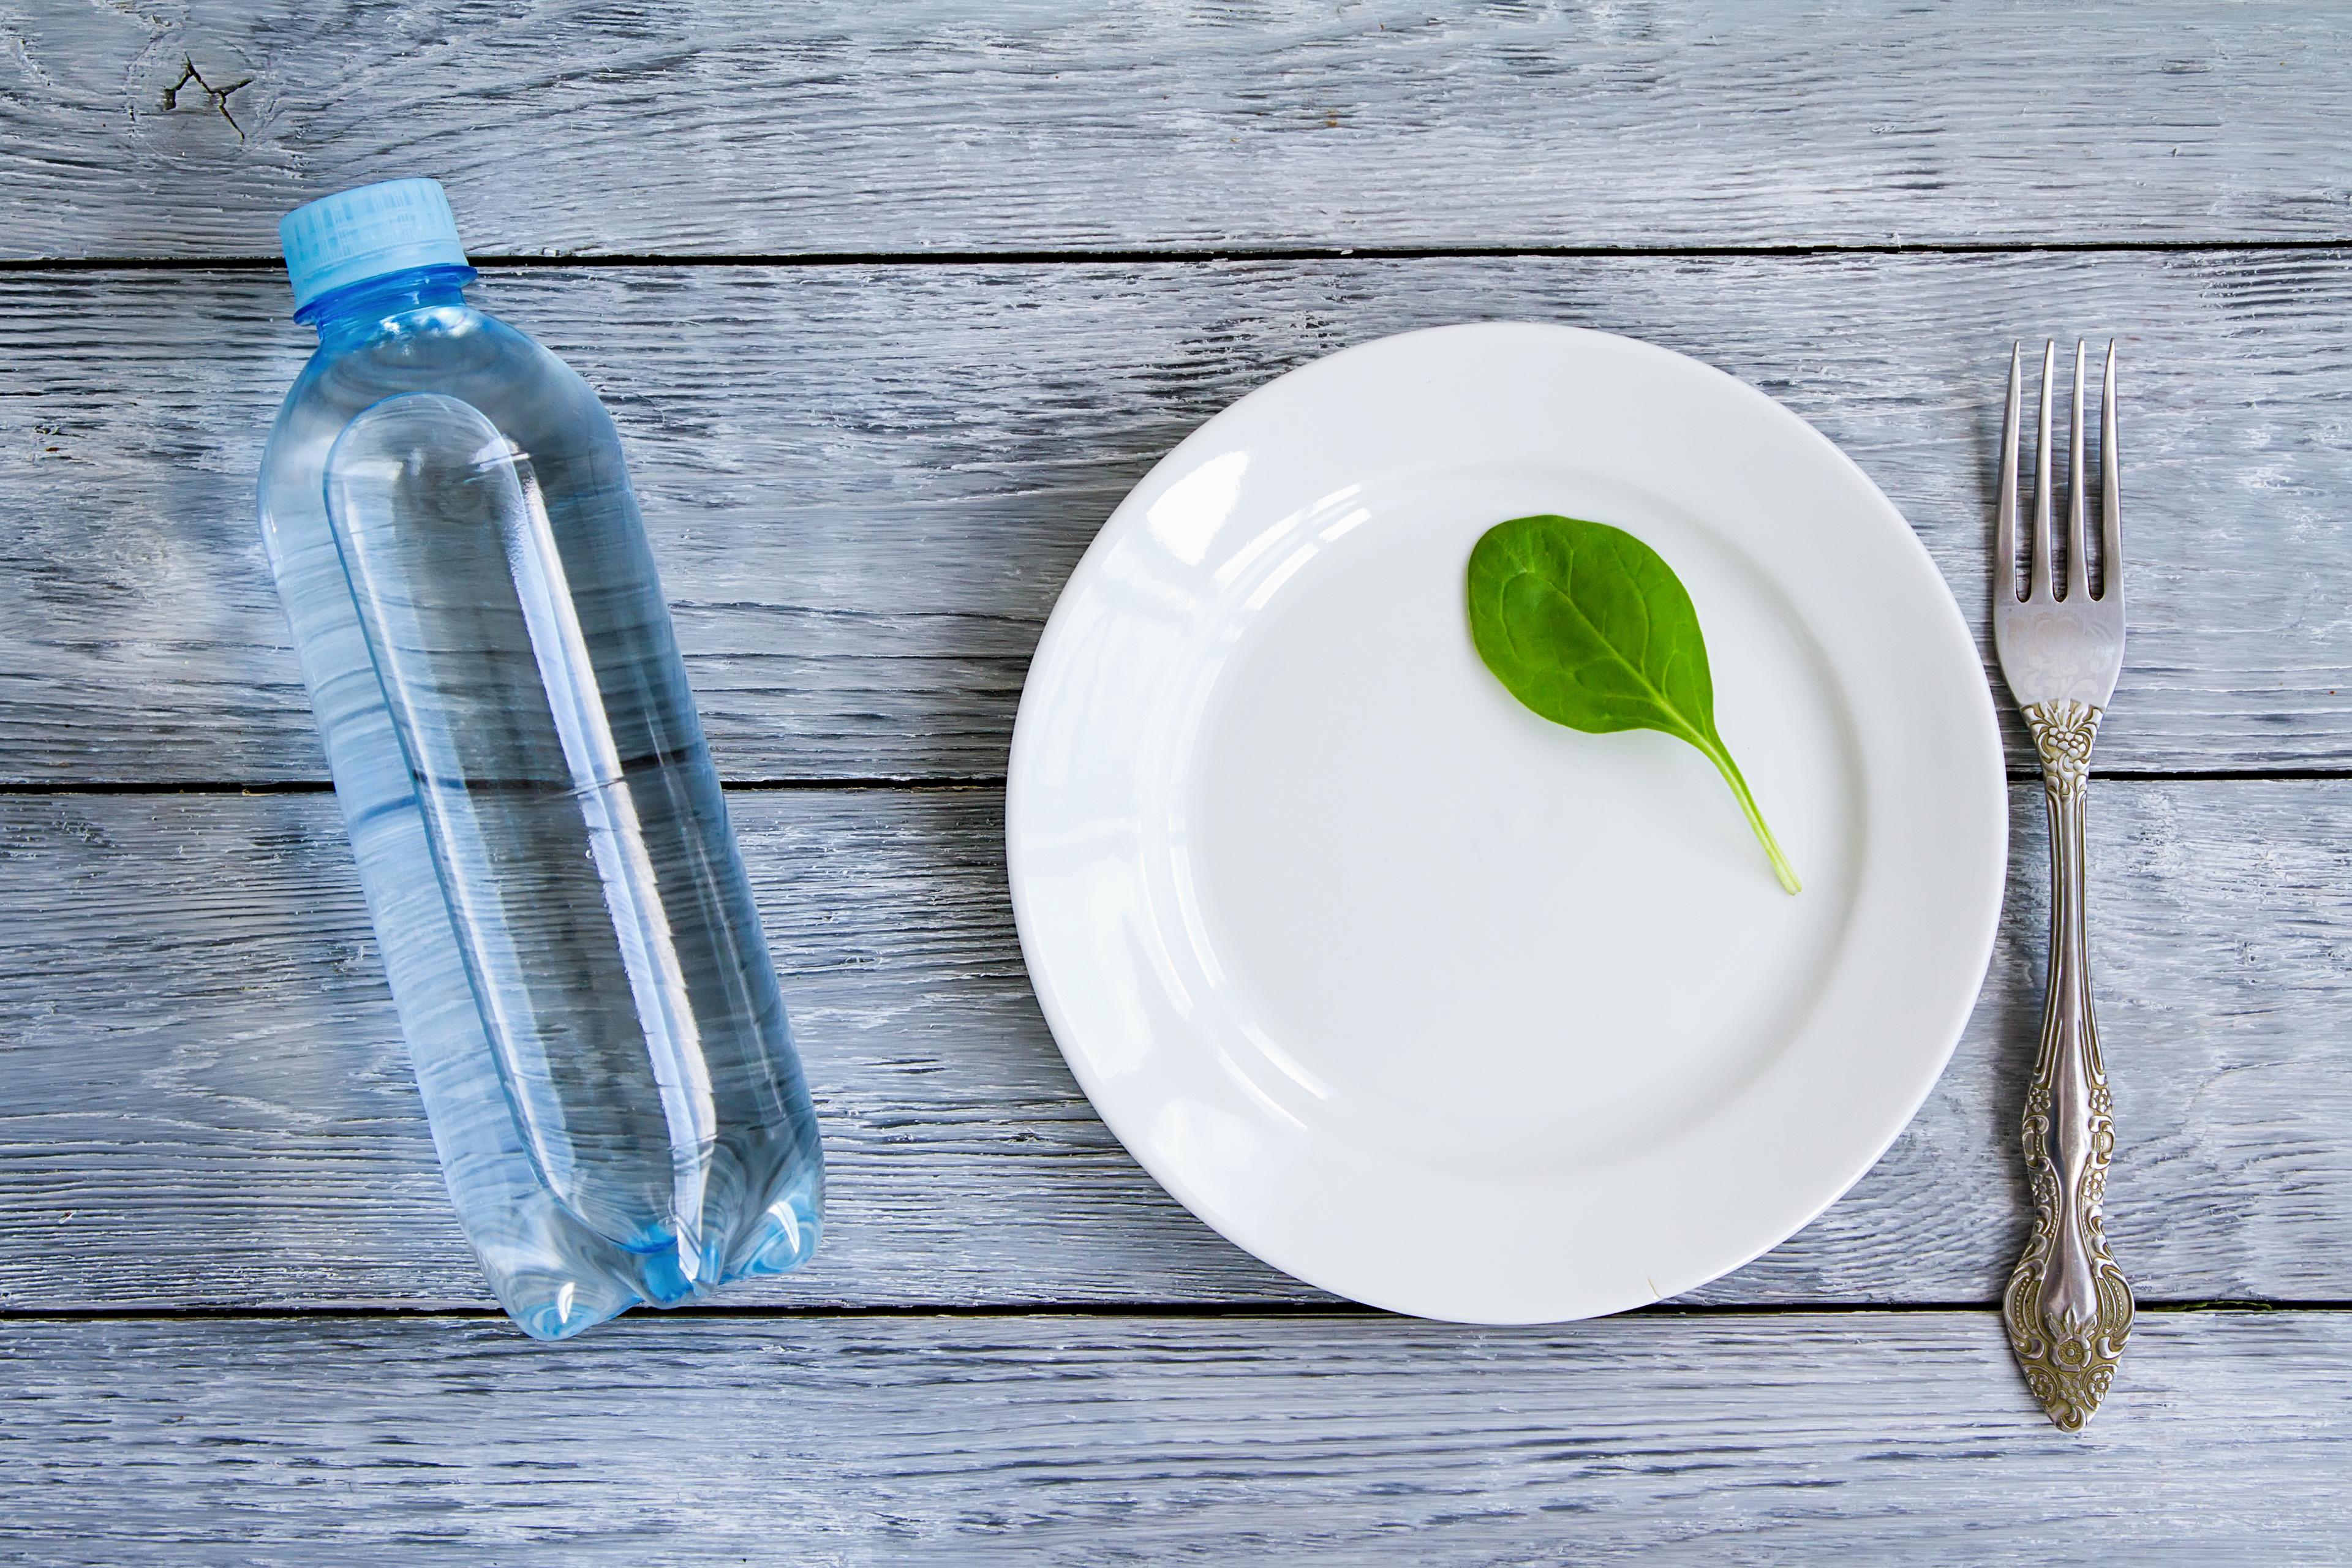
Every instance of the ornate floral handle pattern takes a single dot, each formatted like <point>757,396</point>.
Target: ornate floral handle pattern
<point>2069,1308</point>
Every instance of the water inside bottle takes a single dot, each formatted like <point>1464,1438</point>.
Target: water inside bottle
<point>551,829</point>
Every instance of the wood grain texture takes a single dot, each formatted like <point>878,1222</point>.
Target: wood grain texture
<point>1841,1439</point>
<point>728,127</point>
<point>209,1104</point>
<point>867,484</point>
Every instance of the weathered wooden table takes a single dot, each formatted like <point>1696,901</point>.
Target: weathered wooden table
<point>892,304</point>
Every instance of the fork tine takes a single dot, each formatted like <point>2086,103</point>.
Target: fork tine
<point>2111,528</point>
<point>2004,549</point>
<point>2078,487</point>
<point>2038,568</point>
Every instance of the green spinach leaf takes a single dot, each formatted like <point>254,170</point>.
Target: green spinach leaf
<point>1590,627</point>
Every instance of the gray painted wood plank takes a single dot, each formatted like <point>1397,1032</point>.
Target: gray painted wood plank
<point>725,126</point>
<point>1839,1439</point>
<point>867,483</point>
<point>208,1103</point>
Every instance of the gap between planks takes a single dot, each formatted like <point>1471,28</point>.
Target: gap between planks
<point>1148,257</point>
<point>45,789</point>
<point>1286,1312</point>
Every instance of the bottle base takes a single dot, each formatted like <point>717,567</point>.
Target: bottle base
<point>551,1305</point>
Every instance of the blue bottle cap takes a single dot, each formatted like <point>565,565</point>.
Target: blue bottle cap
<point>366,232</point>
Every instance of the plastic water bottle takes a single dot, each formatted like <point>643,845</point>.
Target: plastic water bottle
<point>571,937</point>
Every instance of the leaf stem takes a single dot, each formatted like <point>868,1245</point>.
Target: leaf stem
<point>1721,758</point>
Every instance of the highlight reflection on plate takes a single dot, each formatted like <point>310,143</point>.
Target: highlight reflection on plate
<point>1429,1001</point>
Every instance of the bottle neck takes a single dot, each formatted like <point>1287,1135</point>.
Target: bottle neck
<point>360,310</point>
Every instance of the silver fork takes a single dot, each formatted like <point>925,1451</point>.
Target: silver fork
<point>2068,1307</point>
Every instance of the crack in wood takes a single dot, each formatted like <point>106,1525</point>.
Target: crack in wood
<point>216,96</point>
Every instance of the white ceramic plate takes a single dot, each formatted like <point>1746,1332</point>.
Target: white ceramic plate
<point>1431,1002</point>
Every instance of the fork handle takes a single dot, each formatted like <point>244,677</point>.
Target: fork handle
<point>2068,1307</point>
